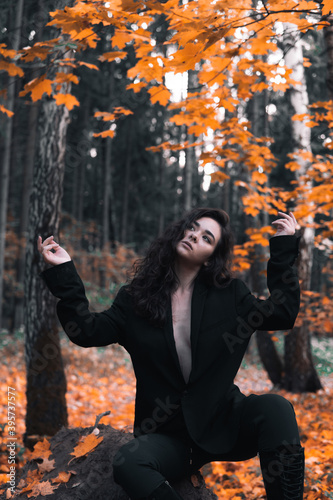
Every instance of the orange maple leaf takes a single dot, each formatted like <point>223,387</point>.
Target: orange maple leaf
<point>5,110</point>
<point>7,52</point>
<point>327,7</point>
<point>111,56</point>
<point>218,176</point>
<point>159,94</point>
<point>42,450</point>
<point>88,65</point>
<point>259,177</point>
<point>37,87</point>
<point>62,477</point>
<point>11,68</point>
<point>31,53</point>
<point>117,112</point>
<point>86,35</point>
<point>43,488</point>
<point>62,77</point>
<point>105,133</point>
<point>33,478</point>
<point>67,99</point>
<point>120,38</point>
<point>87,444</point>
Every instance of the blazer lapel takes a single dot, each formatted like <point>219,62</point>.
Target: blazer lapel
<point>197,307</point>
<point>168,332</point>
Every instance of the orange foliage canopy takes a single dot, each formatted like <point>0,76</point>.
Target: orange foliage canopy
<point>221,40</point>
<point>225,43</point>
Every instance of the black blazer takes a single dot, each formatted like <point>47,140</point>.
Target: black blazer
<point>222,322</point>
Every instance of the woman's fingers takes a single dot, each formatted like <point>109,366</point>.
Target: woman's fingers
<point>45,245</point>
<point>288,218</point>
<point>39,244</point>
<point>51,251</point>
<point>286,224</point>
<point>294,219</point>
<point>50,246</point>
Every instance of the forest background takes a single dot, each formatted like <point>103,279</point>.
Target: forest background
<point>118,116</point>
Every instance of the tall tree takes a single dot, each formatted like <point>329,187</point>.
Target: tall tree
<point>46,383</point>
<point>8,128</point>
<point>30,147</point>
<point>300,373</point>
<point>328,32</point>
<point>108,217</point>
<point>127,181</point>
<point>266,347</point>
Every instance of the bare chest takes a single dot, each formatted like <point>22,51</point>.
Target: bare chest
<point>181,319</point>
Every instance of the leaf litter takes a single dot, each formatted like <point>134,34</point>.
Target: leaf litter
<point>102,381</point>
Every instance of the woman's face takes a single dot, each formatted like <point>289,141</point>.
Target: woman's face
<point>199,241</point>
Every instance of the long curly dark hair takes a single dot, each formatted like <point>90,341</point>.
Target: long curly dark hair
<point>154,277</point>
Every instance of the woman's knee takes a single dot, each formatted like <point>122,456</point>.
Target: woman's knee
<point>277,406</point>
<point>124,462</point>
<point>132,459</point>
<point>276,421</point>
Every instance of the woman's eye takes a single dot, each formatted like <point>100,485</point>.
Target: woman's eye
<point>207,239</point>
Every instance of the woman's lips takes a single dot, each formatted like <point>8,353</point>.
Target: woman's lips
<point>187,244</point>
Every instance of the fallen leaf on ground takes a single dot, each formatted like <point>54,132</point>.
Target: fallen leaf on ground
<point>87,444</point>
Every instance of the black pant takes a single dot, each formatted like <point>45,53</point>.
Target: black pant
<point>268,421</point>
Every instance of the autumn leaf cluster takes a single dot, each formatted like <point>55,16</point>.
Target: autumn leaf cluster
<point>229,47</point>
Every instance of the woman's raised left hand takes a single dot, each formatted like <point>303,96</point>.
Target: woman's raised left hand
<point>286,225</point>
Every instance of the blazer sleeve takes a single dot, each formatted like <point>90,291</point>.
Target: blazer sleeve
<point>84,328</point>
<point>280,309</point>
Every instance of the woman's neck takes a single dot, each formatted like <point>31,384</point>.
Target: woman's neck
<point>186,276</point>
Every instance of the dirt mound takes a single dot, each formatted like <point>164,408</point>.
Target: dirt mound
<point>76,464</point>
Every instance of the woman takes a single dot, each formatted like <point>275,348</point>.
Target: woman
<point>186,324</point>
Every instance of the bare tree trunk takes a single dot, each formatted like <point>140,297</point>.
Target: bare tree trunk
<point>107,193</point>
<point>108,214</point>
<point>190,153</point>
<point>328,34</point>
<point>26,191</point>
<point>188,175</point>
<point>300,372</point>
<point>124,221</point>
<point>266,346</point>
<point>46,383</point>
<point>8,127</point>
<point>161,219</point>
<point>80,192</point>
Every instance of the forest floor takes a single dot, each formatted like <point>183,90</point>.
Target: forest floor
<point>99,380</point>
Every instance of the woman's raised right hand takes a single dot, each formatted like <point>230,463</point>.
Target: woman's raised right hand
<point>59,254</point>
